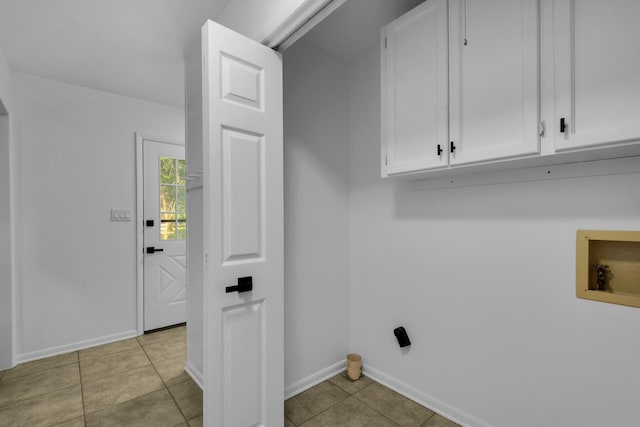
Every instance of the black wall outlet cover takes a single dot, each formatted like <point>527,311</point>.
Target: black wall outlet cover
<point>401,335</point>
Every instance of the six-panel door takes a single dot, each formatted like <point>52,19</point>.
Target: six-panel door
<point>243,231</point>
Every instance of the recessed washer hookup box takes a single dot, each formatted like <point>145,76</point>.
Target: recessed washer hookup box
<point>608,266</point>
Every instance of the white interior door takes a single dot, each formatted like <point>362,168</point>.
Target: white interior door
<point>165,256</point>
<point>243,231</point>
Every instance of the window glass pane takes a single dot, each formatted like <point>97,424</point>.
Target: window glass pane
<point>167,226</point>
<point>167,198</point>
<point>182,171</point>
<point>182,226</point>
<point>173,199</point>
<point>182,200</point>
<point>167,170</point>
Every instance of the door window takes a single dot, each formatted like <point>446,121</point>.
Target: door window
<point>173,197</point>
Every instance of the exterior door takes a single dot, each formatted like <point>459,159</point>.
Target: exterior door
<point>165,231</point>
<point>243,231</point>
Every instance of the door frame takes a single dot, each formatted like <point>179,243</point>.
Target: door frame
<point>140,138</point>
<point>8,339</point>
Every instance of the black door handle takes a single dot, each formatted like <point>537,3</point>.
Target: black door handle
<point>245,284</point>
<point>151,249</point>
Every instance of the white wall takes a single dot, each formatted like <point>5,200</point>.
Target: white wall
<point>483,279</point>
<point>316,213</point>
<point>76,268</point>
<point>6,231</point>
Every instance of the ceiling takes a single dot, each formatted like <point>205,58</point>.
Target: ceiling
<point>130,47</point>
<point>355,26</point>
<point>137,47</point>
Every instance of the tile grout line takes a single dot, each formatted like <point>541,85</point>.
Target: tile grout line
<point>169,332</point>
<point>119,373</point>
<point>336,403</point>
<point>38,395</point>
<point>433,414</point>
<point>108,354</point>
<point>383,415</point>
<point>164,384</point>
<point>321,412</point>
<point>84,412</point>
<point>38,371</point>
<point>389,418</point>
<point>110,374</point>
<point>369,406</point>
<point>76,361</point>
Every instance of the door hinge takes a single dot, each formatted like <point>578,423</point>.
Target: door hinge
<point>541,128</point>
<point>385,160</point>
<point>385,42</point>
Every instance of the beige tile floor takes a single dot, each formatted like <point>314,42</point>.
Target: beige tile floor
<point>135,382</point>
<point>362,403</point>
<point>141,382</point>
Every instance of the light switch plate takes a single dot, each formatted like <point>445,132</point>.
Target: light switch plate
<point>120,214</point>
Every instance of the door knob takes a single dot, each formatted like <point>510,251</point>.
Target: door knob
<point>151,249</point>
<point>245,284</point>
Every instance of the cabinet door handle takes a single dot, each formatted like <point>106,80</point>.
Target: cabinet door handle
<point>452,147</point>
<point>563,125</point>
<point>439,150</point>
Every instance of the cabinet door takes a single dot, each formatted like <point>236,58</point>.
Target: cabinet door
<point>494,60</point>
<point>597,72</point>
<point>415,90</point>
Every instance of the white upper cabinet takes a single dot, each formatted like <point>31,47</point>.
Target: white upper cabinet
<point>460,84</point>
<point>414,72</point>
<point>597,72</point>
<point>494,75</point>
<point>470,84</point>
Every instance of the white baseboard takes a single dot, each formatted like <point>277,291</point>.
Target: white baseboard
<point>80,345</point>
<point>313,379</point>
<point>442,408</point>
<point>195,375</point>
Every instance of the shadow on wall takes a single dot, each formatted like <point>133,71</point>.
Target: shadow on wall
<point>602,196</point>
<point>315,133</point>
